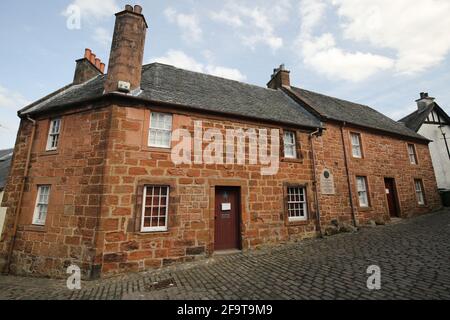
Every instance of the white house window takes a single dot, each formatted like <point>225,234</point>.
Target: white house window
<point>53,134</point>
<point>356,145</point>
<point>297,204</point>
<point>361,184</point>
<point>412,154</point>
<point>419,192</point>
<point>155,208</point>
<point>290,145</point>
<point>160,135</point>
<point>40,211</point>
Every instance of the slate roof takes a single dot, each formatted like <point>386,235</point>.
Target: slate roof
<point>5,164</point>
<point>163,83</point>
<point>415,120</point>
<point>353,113</point>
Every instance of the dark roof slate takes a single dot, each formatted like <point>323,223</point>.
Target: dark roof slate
<point>5,164</point>
<point>163,83</point>
<point>353,113</point>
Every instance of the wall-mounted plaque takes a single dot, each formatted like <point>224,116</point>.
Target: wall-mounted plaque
<point>327,182</point>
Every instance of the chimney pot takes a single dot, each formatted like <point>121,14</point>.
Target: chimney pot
<point>97,63</point>
<point>87,53</point>
<point>129,8</point>
<point>92,59</point>
<point>137,9</point>
<point>102,67</point>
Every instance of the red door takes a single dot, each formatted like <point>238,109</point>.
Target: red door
<point>391,197</point>
<point>227,212</point>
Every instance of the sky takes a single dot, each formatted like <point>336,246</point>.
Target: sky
<point>380,53</point>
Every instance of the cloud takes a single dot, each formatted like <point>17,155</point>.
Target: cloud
<point>102,36</point>
<point>413,34</point>
<point>254,23</point>
<point>182,60</point>
<point>11,100</point>
<point>189,25</point>
<point>93,9</point>
<point>418,32</point>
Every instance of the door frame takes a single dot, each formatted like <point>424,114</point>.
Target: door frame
<point>396,198</point>
<point>237,189</point>
<point>242,213</point>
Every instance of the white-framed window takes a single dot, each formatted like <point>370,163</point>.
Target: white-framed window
<point>361,185</point>
<point>412,154</point>
<point>155,209</point>
<point>356,145</point>
<point>296,204</point>
<point>160,134</point>
<point>53,134</point>
<point>419,192</point>
<point>290,145</point>
<point>41,208</point>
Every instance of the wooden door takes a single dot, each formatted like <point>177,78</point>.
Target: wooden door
<point>227,216</point>
<point>391,197</point>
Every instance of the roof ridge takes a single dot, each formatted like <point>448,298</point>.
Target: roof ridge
<point>209,75</point>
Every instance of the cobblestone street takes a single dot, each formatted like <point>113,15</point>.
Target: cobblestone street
<point>414,257</point>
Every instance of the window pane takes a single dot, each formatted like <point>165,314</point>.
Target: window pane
<point>297,206</point>
<point>155,208</point>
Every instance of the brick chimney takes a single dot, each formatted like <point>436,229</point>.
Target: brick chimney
<point>88,67</point>
<point>127,51</point>
<point>280,78</point>
<point>424,101</point>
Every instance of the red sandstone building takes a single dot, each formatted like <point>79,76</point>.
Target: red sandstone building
<point>93,182</point>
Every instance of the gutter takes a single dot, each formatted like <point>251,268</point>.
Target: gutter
<point>316,134</point>
<point>347,170</point>
<point>19,202</point>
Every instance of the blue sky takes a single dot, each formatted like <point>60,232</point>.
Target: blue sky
<point>380,52</point>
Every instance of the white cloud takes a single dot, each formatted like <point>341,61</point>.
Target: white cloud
<point>94,9</point>
<point>254,23</point>
<point>11,100</point>
<point>182,60</point>
<point>413,33</point>
<point>417,31</point>
<point>189,25</point>
<point>102,36</point>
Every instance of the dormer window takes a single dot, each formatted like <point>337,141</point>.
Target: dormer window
<point>53,135</point>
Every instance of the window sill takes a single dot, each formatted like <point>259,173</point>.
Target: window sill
<point>364,209</point>
<point>298,223</point>
<point>34,228</point>
<point>49,153</point>
<point>157,149</point>
<point>292,160</point>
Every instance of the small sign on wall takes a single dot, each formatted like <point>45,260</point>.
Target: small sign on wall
<point>327,182</point>
<point>226,206</point>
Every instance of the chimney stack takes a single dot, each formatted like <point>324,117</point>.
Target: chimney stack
<point>280,78</point>
<point>127,51</point>
<point>424,101</point>
<point>88,67</point>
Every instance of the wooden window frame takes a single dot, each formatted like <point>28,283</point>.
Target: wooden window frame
<point>366,182</point>
<point>294,144</point>
<point>52,134</point>
<point>296,220</point>
<point>298,147</point>
<point>150,128</point>
<point>151,229</point>
<point>422,187</point>
<point>36,221</point>
<point>416,158</point>
<point>361,149</point>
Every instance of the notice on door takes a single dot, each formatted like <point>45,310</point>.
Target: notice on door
<point>226,206</point>
<point>327,183</point>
